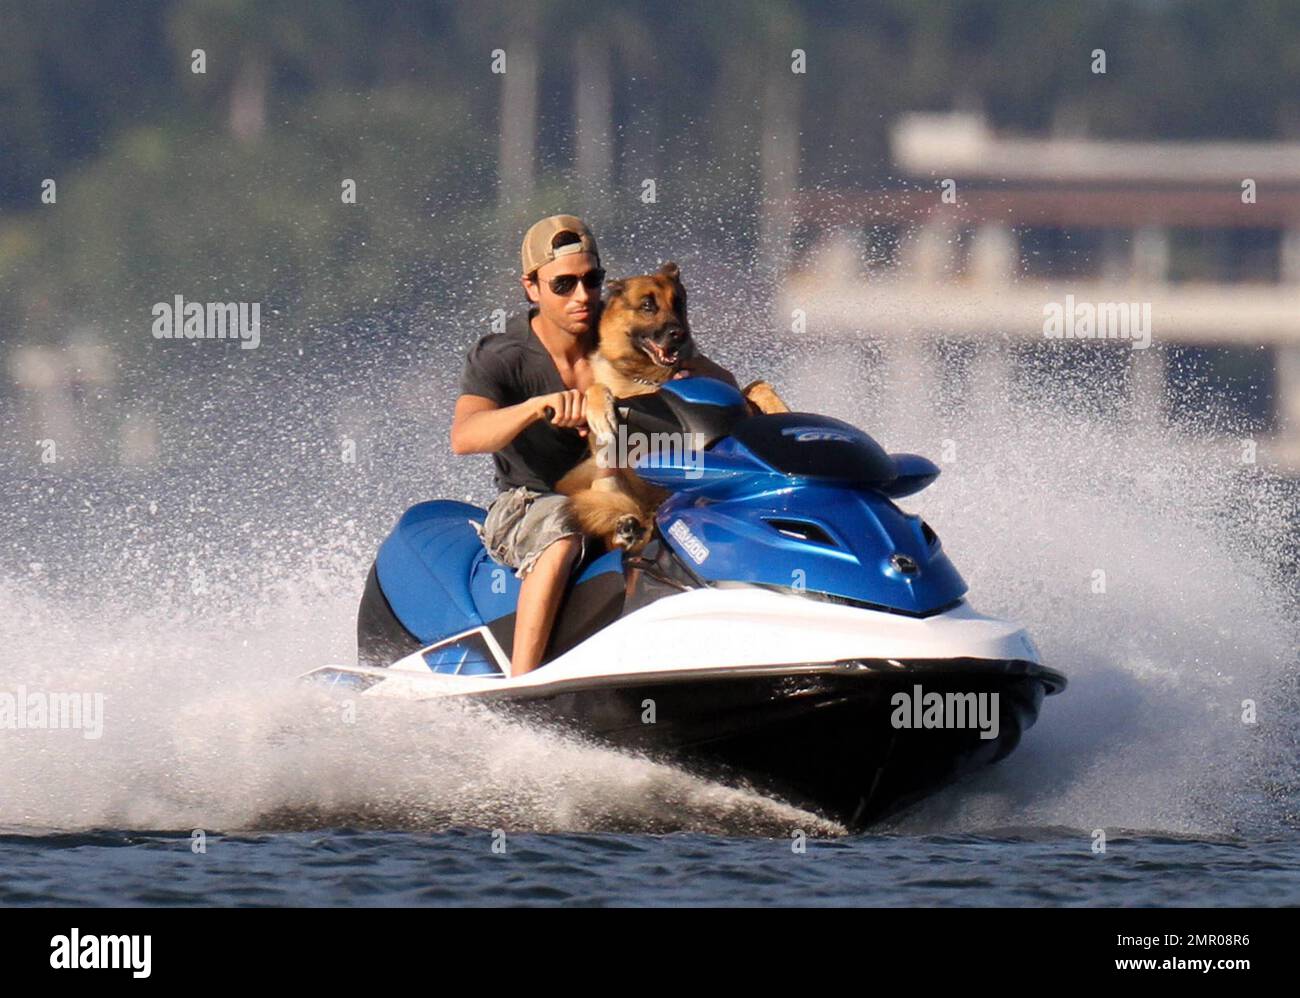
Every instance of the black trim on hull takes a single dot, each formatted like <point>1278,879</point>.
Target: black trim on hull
<point>819,736</point>
<point>381,638</point>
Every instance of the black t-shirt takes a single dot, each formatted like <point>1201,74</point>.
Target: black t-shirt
<point>508,368</point>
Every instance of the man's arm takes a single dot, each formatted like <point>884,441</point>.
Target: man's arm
<point>480,426</point>
<point>483,422</point>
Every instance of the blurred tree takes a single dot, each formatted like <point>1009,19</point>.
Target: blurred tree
<point>228,182</point>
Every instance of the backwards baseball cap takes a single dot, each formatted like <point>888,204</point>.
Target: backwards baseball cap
<point>540,241</point>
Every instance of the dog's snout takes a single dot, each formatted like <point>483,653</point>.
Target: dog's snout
<point>674,334</point>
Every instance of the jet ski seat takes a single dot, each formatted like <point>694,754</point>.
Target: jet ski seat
<point>433,579</point>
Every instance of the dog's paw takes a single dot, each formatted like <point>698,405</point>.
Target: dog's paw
<point>629,531</point>
<point>764,397</point>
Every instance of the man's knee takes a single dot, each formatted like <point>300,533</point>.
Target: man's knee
<point>567,547</point>
<point>560,553</point>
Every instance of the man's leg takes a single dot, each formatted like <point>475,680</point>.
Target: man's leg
<point>539,600</point>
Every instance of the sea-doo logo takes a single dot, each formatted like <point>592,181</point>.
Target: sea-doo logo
<point>810,434</point>
<point>694,547</point>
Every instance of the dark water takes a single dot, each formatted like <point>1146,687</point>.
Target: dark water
<point>342,867</point>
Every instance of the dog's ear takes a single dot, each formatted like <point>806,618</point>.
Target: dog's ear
<point>671,271</point>
<point>615,288</point>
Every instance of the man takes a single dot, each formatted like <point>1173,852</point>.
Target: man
<point>509,379</point>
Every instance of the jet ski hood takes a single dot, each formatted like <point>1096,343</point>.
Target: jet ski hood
<point>858,547</point>
<point>803,502</point>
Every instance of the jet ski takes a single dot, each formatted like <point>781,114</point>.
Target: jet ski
<point>787,627</point>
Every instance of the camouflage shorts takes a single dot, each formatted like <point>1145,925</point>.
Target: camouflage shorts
<point>521,524</point>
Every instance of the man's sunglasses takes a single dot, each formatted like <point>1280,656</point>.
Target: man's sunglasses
<point>565,283</point>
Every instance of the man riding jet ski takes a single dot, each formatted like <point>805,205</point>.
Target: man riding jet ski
<point>787,625</point>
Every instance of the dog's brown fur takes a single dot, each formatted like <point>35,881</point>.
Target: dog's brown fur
<point>643,338</point>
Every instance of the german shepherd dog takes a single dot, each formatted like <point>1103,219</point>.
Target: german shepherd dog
<point>643,338</point>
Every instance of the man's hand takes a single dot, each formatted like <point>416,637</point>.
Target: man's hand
<point>570,409</point>
<point>700,366</point>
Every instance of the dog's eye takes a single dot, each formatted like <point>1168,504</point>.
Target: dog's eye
<point>648,304</point>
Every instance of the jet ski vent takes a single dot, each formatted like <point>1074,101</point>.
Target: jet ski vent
<point>802,530</point>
